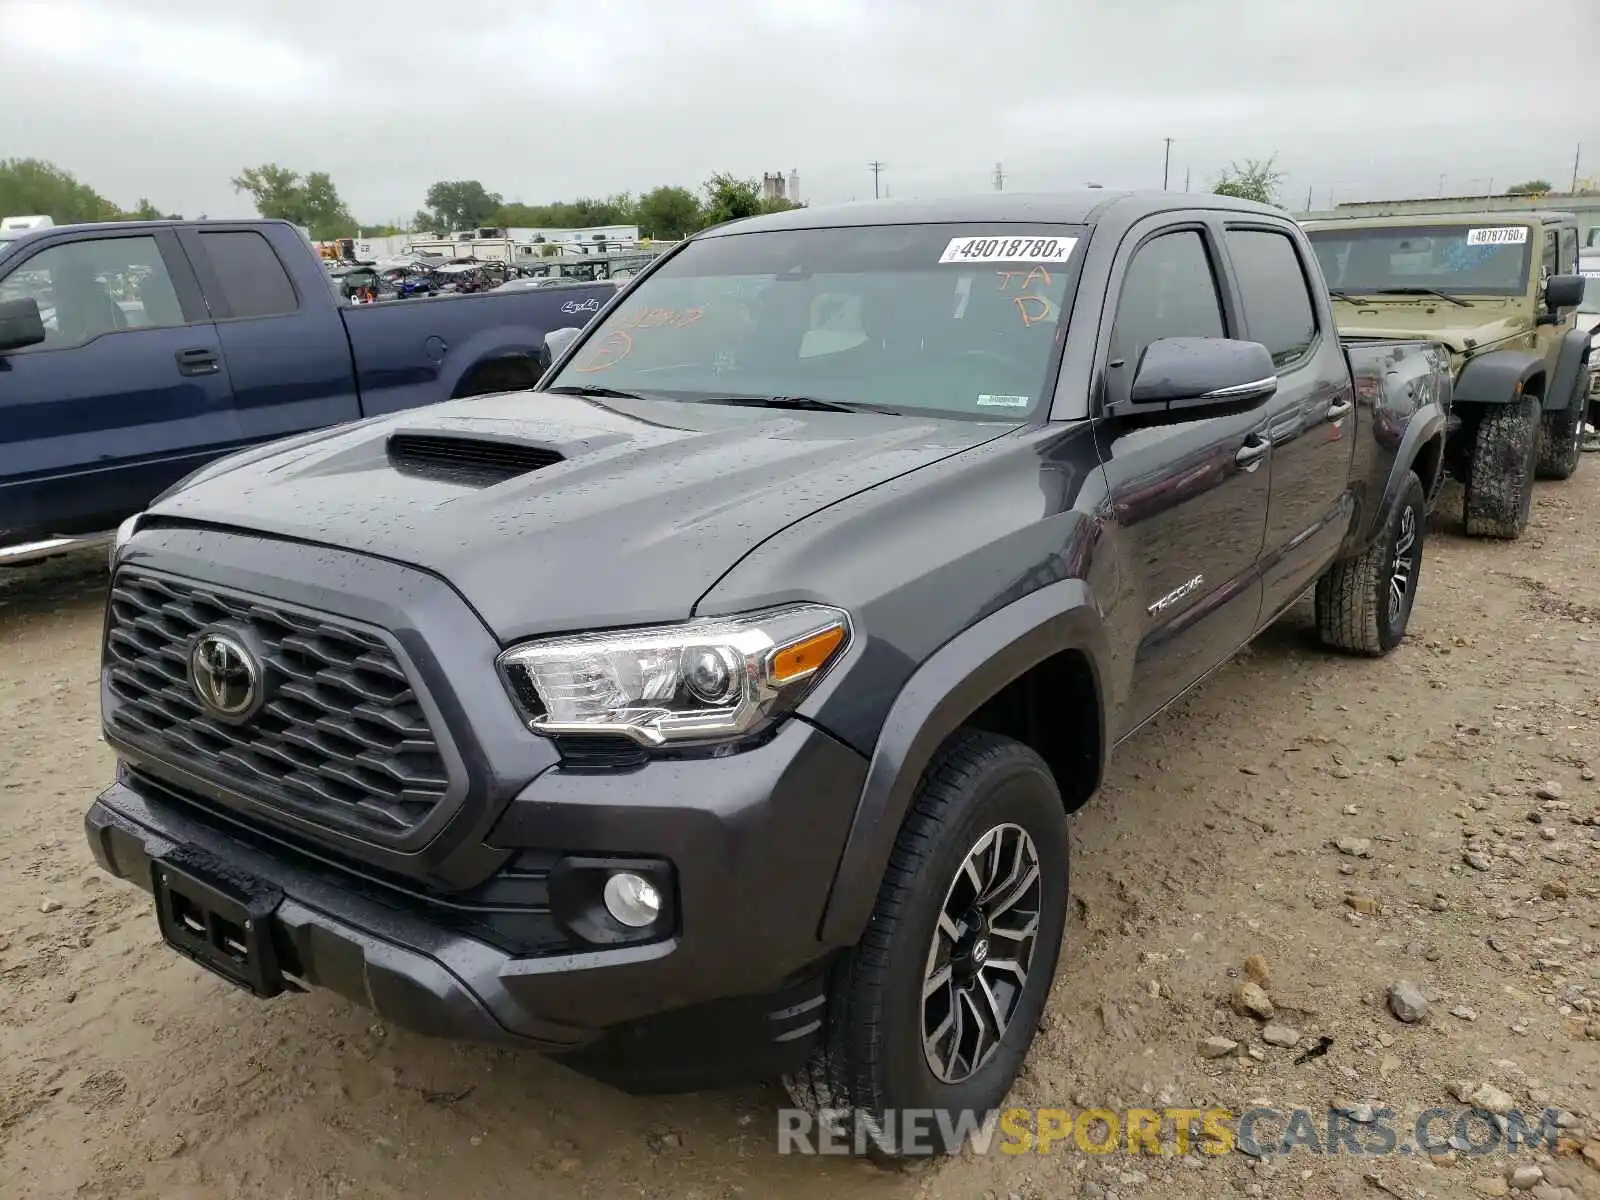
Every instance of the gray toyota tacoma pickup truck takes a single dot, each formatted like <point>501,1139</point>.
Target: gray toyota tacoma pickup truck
<point>714,710</point>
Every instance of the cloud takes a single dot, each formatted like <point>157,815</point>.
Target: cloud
<point>170,98</point>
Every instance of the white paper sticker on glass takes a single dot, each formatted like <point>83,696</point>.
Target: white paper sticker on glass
<point>1505,235</point>
<point>1008,249</point>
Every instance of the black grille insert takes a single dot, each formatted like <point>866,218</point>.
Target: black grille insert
<point>473,461</point>
<point>341,739</point>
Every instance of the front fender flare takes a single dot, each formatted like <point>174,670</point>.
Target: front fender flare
<point>940,695</point>
<point>1571,362</point>
<point>1497,377</point>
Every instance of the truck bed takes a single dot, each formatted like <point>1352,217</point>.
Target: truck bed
<point>411,352</point>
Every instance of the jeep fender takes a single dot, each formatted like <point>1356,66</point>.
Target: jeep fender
<point>1498,377</point>
<point>1573,358</point>
<point>940,695</point>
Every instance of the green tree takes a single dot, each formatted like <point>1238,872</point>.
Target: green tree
<point>730,199</point>
<point>460,204</point>
<point>33,187</point>
<point>145,211</point>
<point>1256,180</point>
<point>1533,187</point>
<point>312,201</point>
<point>668,212</point>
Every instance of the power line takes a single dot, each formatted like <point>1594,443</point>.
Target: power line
<point>877,169</point>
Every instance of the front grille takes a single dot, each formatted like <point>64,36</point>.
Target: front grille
<point>341,738</point>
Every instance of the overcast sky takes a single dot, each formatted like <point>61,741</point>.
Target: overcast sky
<point>543,101</point>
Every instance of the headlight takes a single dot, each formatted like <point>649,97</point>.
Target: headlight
<point>124,532</point>
<point>703,680</point>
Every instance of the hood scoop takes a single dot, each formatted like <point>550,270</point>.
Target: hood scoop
<point>469,461</point>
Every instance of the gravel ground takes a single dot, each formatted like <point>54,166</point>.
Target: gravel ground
<point>1335,827</point>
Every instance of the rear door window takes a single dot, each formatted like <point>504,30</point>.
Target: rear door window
<point>1278,310</point>
<point>253,281</point>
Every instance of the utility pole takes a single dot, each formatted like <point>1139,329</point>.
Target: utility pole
<point>1186,179</point>
<point>1308,199</point>
<point>999,178</point>
<point>1166,163</point>
<point>877,169</point>
<point>1576,158</point>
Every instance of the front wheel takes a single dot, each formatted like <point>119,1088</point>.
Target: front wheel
<point>1499,498</point>
<point>930,1016</point>
<point>1364,604</point>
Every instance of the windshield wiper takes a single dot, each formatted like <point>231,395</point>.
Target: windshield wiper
<point>585,390</point>
<point>1421,291</point>
<point>805,403</point>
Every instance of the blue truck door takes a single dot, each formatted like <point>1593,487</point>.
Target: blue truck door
<point>287,350</point>
<point>128,392</point>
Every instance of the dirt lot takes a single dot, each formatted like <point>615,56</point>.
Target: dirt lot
<point>124,1071</point>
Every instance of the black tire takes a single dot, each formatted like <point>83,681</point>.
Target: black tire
<point>1505,451</point>
<point>1364,604</point>
<point>1561,433</point>
<point>873,1065</point>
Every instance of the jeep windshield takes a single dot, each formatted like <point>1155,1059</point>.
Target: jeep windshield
<point>1455,260</point>
<point>942,320</point>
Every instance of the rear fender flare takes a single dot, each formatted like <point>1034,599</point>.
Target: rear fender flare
<point>1572,362</point>
<point>1497,378</point>
<point>940,695</point>
<point>1429,423</point>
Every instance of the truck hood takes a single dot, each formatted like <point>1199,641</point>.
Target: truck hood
<point>1486,322</point>
<point>650,502</point>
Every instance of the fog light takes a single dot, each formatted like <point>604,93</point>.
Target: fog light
<point>632,899</point>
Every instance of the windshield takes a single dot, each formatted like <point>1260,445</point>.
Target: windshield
<point>1462,260</point>
<point>949,320</point>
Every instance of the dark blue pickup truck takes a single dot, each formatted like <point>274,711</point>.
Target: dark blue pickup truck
<point>132,354</point>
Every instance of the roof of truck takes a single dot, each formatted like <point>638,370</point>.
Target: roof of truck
<point>1528,216</point>
<point>1086,206</point>
<point>135,226</point>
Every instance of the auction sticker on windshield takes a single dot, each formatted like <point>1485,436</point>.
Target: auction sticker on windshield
<point>1008,249</point>
<point>1507,235</point>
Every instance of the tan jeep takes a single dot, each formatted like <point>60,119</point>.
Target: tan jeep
<point>1499,290</point>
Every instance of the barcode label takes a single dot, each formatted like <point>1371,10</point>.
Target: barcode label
<point>1008,249</point>
<point>1507,235</point>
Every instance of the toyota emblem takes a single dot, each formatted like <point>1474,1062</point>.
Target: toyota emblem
<point>225,675</point>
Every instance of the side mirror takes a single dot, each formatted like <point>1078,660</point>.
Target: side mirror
<point>1563,291</point>
<point>20,324</point>
<point>557,340</point>
<point>1188,378</point>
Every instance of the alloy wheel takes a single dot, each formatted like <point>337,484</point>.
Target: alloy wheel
<point>982,947</point>
<point>1400,574</point>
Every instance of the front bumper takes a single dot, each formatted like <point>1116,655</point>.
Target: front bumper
<point>735,992</point>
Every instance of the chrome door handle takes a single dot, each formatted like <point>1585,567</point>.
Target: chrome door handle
<point>1340,411</point>
<point>1251,451</point>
